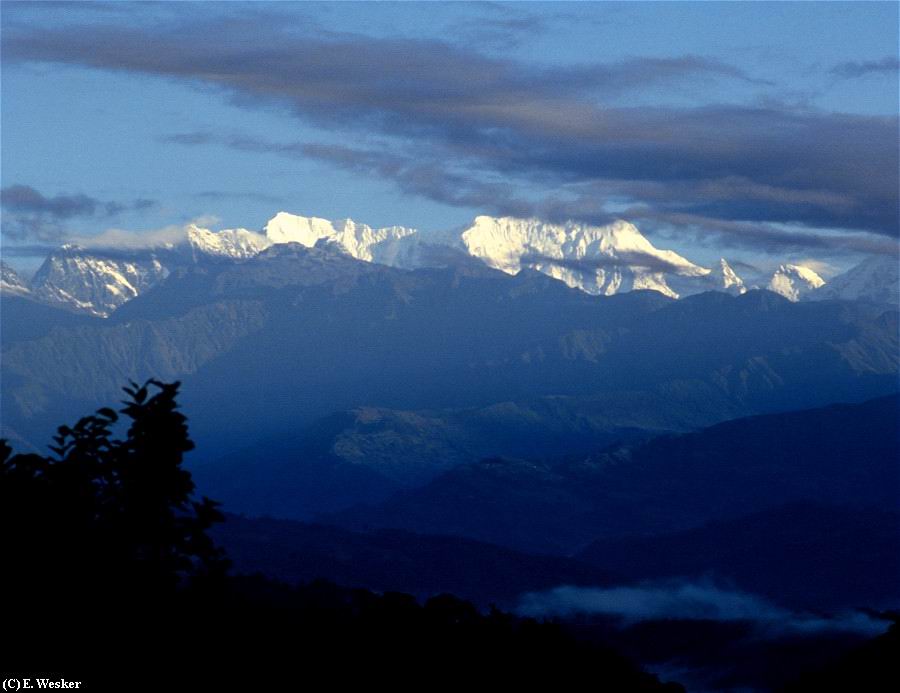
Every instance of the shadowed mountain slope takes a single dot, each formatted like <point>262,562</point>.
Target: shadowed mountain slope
<point>390,560</point>
<point>804,555</point>
<point>838,455</point>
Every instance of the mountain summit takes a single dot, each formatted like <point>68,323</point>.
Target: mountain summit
<point>386,246</point>
<point>794,282</point>
<point>874,279</point>
<point>596,259</point>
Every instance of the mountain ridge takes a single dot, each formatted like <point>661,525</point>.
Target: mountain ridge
<point>599,260</point>
<point>669,484</point>
<point>353,333</point>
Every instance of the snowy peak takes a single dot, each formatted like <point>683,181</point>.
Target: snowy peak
<point>596,259</point>
<point>724,278</point>
<point>794,282</point>
<point>93,283</point>
<point>291,228</point>
<point>391,245</point>
<point>502,242</point>
<point>99,280</point>
<point>875,279</point>
<point>11,283</point>
<point>238,244</point>
<point>384,246</point>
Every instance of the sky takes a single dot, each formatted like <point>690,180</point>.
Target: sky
<point>761,132</point>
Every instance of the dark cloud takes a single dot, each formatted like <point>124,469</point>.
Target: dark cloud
<point>25,199</point>
<point>31,215</point>
<point>415,174</point>
<point>189,138</point>
<point>760,236</point>
<point>502,27</point>
<point>468,129</point>
<point>741,266</point>
<point>889,65</point>
<point>428,178</point>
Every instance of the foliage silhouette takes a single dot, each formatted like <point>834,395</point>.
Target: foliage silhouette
<point>871,667</point>
<point>112,516</point>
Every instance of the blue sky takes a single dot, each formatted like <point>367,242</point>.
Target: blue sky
<point>763,132</point>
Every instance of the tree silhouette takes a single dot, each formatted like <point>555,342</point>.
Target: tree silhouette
<point>103,517</point>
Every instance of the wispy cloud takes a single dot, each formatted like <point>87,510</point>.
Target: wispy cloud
<point>30,215</point>
<point>889,66</point>
<point>238,195</point>
<point>766,237</point>
<point>502,25</point>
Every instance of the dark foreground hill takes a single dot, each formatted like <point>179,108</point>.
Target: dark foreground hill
<point>801,556</point>
<point>396,561</point>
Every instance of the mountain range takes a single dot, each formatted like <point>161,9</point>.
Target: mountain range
<point>295,333</point>
<point>599,260</point>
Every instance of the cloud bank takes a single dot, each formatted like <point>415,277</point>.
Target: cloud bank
<point>469,129</point>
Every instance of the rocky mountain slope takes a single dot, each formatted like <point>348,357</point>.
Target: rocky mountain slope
<point>794,282</point>
<point>11,284</point>
<point>875,279</point>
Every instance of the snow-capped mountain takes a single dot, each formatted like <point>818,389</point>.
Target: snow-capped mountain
<point>596,259</point>
<point>99,281</point>
<point>234,244</point>
<point>599,260</point>
<point>91,283</point>
<point>724,278</point>
<point>875,279</point>
<point>11,282</point>
<point>393,245</point>
<point>795,282</point>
